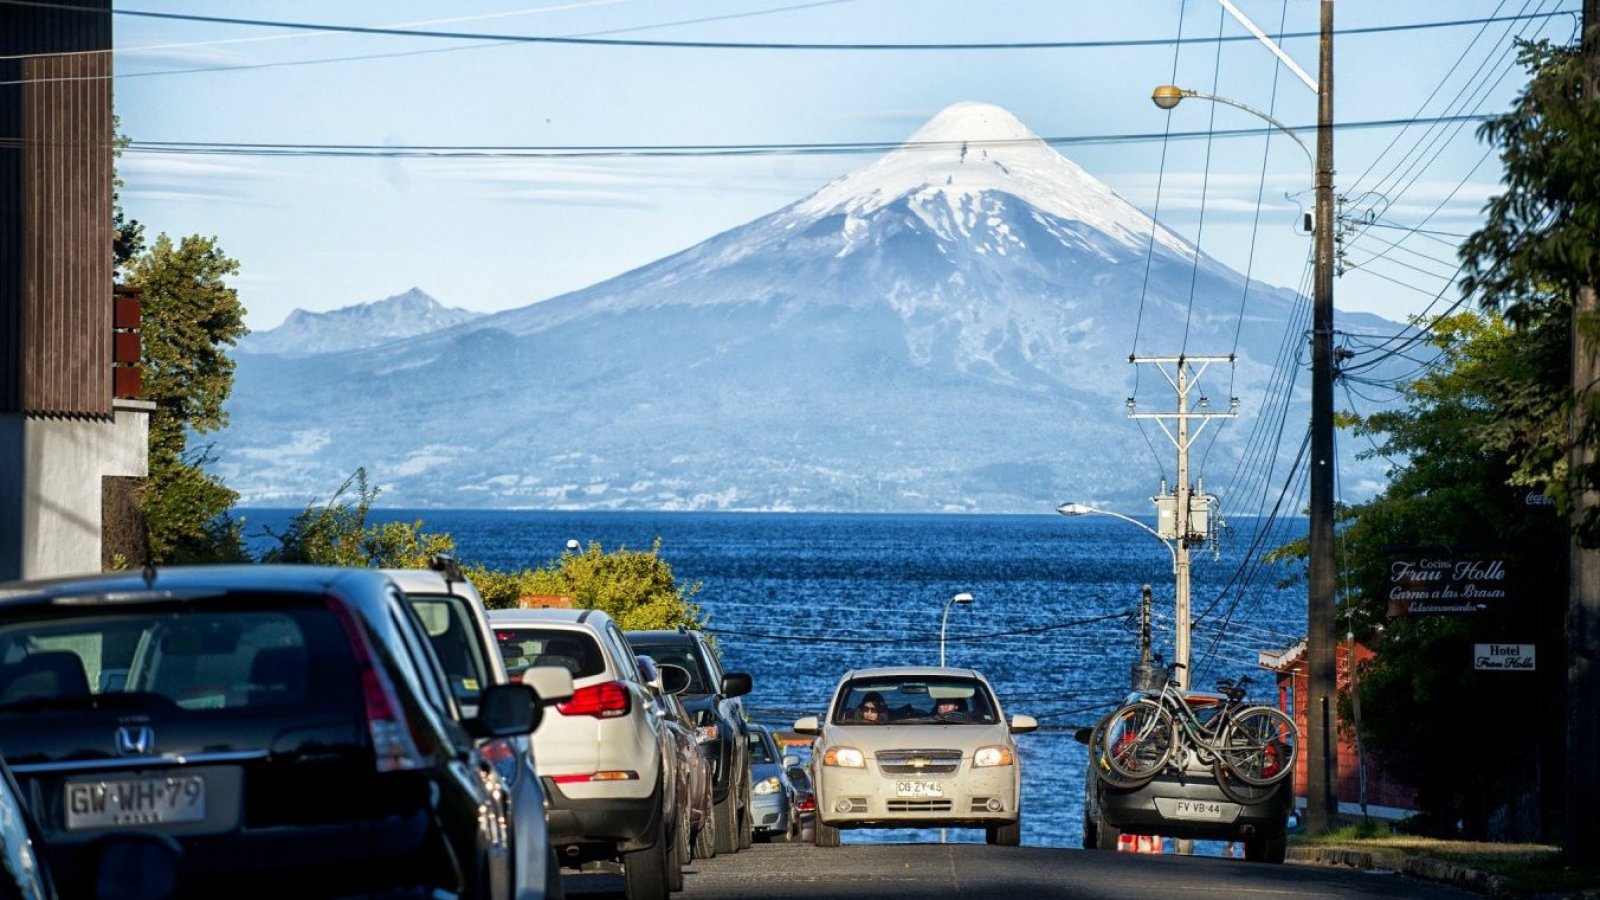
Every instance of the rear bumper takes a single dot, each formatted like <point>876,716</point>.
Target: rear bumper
<point>1195,809</point>
<point>632,823</point>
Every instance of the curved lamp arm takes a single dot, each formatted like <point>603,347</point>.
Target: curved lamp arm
<point>1168,96</point>
<point>1079,509</point>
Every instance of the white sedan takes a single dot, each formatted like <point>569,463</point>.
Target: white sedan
<point>916,747</point>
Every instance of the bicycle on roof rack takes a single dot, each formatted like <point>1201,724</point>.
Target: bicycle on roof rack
<point>1249,746</point>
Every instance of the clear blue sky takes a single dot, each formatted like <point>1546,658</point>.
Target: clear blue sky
<point>318,232</point>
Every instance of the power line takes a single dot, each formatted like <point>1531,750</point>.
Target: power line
<point>745,45</point>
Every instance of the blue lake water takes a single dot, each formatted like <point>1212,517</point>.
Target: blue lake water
<point>798,599</point>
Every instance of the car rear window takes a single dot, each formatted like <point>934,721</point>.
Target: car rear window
<point>918,700</point>
<point>197,659</point>
<point>526,647</point>
<point>681,655</point>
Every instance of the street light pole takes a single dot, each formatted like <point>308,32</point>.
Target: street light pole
<point>962,598</point>
<point>1322,746</point>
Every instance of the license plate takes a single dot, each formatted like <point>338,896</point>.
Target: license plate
<point>918,789</point>
<point>1196,809</point>
<point>135,801</point>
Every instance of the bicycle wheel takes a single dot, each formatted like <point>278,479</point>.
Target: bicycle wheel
<point>1239,791</point>
<point>1258,745</point>
<point>1097,755</point>
<point>1138,741</point>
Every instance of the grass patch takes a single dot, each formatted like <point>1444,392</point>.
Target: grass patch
<point>1528,869</point>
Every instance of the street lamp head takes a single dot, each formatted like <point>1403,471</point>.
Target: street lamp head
<point>1074,509</point>
<point>1168,96</point>
<point>962,597</point>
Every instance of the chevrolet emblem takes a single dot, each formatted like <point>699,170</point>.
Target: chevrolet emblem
<point>919,763</point>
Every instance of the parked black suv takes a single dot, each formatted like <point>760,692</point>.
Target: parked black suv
<point>712,699</point>
<point>278,729</point>
<point>1187,804</point>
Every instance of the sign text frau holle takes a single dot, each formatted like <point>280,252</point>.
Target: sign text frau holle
<point>1436,585</point>
<point>1503,657</point>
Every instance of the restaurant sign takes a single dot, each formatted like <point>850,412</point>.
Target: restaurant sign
<point>1433,585</point>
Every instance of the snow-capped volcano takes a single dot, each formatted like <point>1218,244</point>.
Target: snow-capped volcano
<point>945,329</point>
<point>969,150</point>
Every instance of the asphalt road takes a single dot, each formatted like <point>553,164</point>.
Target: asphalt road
<point>978,872</point>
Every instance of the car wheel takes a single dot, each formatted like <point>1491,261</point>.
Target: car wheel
<point>747,827</point>
<point>553,889</point>
<point>1008,835</point>
<point>1106,836</point>
<point>1269,849</point>
<point>676,859</point>
<point>644,871</point>
<point>705,840</point>
<point>827,835</point>
<point>723,820</point>
<point>1090,839</point>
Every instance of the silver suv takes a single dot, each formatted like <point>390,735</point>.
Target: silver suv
<point>606,759</point>
<point>916,747</point>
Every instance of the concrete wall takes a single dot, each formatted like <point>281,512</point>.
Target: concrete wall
<point>50,503</point>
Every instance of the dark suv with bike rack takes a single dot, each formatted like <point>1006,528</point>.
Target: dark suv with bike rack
<point>1184,799</point>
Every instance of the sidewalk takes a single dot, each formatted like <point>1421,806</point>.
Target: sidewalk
<point>1498,870</point>
<point>1415,865</point>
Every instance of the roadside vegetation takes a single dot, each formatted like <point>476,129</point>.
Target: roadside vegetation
<point>1519,869</point>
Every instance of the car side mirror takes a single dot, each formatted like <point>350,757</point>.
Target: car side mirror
<point>1023,724</point>
<point>553,684</point>
<point>505,710</point>
<point>737,684</point>
<point>674,679</point>
<point>790,761</point>
<point>1082,735</point>
<point>650,674</point>
<point>807,725</point>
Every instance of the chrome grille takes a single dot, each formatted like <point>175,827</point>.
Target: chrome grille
<point>919,762</point>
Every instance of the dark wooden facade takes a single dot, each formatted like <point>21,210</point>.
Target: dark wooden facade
<point>55,209</point>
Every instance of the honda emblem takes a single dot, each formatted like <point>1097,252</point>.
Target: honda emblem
<point>136,740</point>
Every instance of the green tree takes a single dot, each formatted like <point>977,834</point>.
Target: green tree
<point>190,317</point>
<point>339,533</point>
<point>636,588</point>
<point>1462,441</point>
<point>1540,245</point>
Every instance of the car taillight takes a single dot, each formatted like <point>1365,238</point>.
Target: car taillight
<point>603,701</point>
<point>394,746</point>
<point>808,804</point>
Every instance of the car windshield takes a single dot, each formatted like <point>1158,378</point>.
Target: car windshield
<point>675,655</point>
<point>527,647</point>
<point>912,699</point>
<point>201,659</point>
<point>760,751</point>
<point>451,631</point>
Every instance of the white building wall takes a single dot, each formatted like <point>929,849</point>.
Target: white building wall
<point>50,517</point>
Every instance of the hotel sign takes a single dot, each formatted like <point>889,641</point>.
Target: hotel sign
<point>1503,657</point>
<point>1434,585</point>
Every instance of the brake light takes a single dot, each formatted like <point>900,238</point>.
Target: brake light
<point>603,701</point>
<point>394,745</point>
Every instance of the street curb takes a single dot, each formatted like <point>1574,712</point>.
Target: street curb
<point>1415,866</point>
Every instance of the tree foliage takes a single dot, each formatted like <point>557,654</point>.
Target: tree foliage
<point>338,533</point>
<point>636,588</point>
<point>190,317</point>
<point>1540,244</point>
<point>1468,444</point>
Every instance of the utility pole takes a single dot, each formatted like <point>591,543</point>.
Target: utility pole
<point>1322,742</point>
<point>1182,526</point>
<point>1582,832</point>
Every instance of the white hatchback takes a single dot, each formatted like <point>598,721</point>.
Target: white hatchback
<point>916,747</point>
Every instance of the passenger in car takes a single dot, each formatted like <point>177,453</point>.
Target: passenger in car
<point>954,708</point>
<point>872,710</point>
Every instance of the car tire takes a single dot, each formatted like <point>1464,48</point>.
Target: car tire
<point>827,835</point>
<point>553,889</point>
<point>1106,836</point>
<point>1091,838</point>
<point>1270,849</point>
<point>747,825</point>
<point>724,818</point>
<point>705,840</point>
<point>1007,835</point>
<point>644,872</point>
<point>680,857</point>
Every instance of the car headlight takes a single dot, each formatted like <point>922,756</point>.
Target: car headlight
<point>992,756</point>
<point>844,757</point>
<point>767,786</point>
